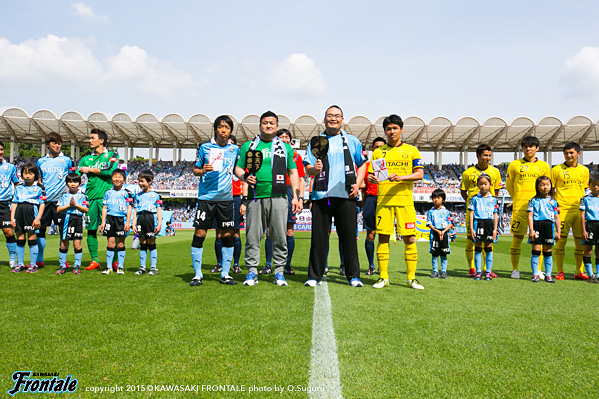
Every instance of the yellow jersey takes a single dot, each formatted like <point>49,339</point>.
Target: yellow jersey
<point>401,160</point>
<point>470,176</point>
<point>569,184</point>
<point>521,180</point>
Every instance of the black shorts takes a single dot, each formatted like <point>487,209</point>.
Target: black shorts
<point>5,214</point>
<point>207,211</point>
<point>369,212</point>
<point>24,217</point>
<point>146,224</point>
<point>71,227</point>
<point>544,230</point>
<point>483,230</point>
<point>115,226</point>
<point>439,247</point>
<point>51,215</point>
<point>592,227</point>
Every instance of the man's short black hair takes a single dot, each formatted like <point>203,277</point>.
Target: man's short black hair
<point>392,119</point>
<point>438,193</point>
<point>530,141</point>
<point>482,148</point>
<point>73,177</point>
<point>377,140</point>
<point>118,171</point>
<point>233,139</point>
<point>269,114</point>
<point>570,145</point>
<point>53,137</point>
<point>594,178</point>
<point>222,118</point>
<point>102,135</point>
<point>146,174</point>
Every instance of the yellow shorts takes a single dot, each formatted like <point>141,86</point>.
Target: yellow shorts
<point>570,219</point>
<point>405,216</point>
<point>519,223</point>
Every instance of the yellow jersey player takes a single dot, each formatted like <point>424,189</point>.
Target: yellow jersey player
<point>469,189</point>
<point>395,178</point>
<point>570,179</point>
<point>520,183</point>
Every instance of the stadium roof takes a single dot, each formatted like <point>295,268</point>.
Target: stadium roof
<point>439,134</point>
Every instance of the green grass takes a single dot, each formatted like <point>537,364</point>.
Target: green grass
<point>457,338</point>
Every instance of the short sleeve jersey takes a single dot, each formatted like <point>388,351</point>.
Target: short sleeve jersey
<point>336,183</point>
<point>483,207</point>
<point>97,185</point>
<point>521,179</point>
<point>470,175</point>
<point>117,201</point>
<point>439,218</point>
<point>80,199</point>
<point>53,172</point>
<point>34,194</point>
<point>543,208</point>
<point>590,204</point>
<point>264,183</point>
<point>8,178</point>
<point>147,202</point>
<point>401,160</point>
<point>569,184</point>
<point>299,163</point>
<point>371,189</point>
<point>217,184</point>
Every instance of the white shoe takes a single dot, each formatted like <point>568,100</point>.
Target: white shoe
<point>355,282</point>
<point>12,264</point>
<point>120,271</point>
<point>516,273</point>
<point>251,279</point>
<point>107,271</point>
<point>312,283</point>
<point>541,275</point>
<point>382,283</point>
<point>414,284</point>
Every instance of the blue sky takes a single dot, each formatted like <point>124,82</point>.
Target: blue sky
<point>428,58</point>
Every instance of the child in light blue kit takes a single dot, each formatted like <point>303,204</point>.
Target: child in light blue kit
<point>543,227</point>
<point>483,225</point>
<point>73,205</point>
<point>589,217</point>
<point>147,221</point>
<point>439,220</point>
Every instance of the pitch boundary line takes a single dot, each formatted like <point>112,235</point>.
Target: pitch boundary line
<point>324,365</point>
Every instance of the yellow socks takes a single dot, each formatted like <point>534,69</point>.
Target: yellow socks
<point>411,258</point>
<point>515,251</point>
<point>382,256</point>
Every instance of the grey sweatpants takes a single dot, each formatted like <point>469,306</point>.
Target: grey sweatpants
<point>263,213</point>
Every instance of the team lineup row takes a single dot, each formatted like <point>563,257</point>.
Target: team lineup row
<point>547,204</point>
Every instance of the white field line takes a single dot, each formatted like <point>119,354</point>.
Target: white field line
<point>324,366</point>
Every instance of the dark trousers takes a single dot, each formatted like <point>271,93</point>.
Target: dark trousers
<point>345,213</point>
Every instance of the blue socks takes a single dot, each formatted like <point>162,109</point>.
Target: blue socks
<point>534,262</point>
<point>489,259</point>
<point>369,247</point>
<point>478,255</point>
<point>268,250</point>
<point>143,255</point>
<point>237,251</point>
<point>196,258</point>
<point>121,257</point>
<point>443,263</point>
<point>218,250</point>
<point>435,263</point>
<point>109,257</point>
<point>78,257</point>
<point>290,249</point>
<point>548,261</point>
<point>227,256</point>
<point>153,258</point>
<point>41,245</point>
<point>21,253</point>
<point>62,257</point>
<point>12,250</point>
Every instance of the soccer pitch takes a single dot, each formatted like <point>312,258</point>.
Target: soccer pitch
<point>141,335</point>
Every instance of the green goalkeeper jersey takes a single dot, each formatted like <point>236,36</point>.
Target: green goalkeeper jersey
<point>97,185</point>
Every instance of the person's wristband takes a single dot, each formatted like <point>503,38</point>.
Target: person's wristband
<point>244,200</point>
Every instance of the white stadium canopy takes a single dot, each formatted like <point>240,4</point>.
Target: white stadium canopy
<point>173,131</point>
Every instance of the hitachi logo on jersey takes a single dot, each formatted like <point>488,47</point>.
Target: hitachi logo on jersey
<point>397,164</point>
<point>410,225</point>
